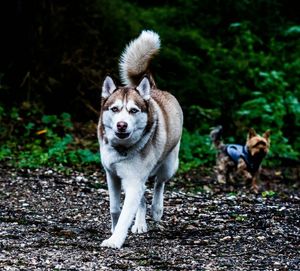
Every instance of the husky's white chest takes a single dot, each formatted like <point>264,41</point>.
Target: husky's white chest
<point>109,156</point>
<point>128,164</point>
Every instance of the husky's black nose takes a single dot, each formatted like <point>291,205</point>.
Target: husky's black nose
<point>122,126</point>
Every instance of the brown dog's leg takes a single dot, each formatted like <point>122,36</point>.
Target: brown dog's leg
<point>254,185</point>
<point>242,172</point>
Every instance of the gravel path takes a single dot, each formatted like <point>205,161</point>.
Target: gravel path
<point>50,221</point>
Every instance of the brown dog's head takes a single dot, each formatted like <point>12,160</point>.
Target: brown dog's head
<point>258,146</point>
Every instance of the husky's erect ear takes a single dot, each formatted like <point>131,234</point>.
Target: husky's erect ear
<point>251,133</point>
<point>108,87</point>
<point>144,88</point>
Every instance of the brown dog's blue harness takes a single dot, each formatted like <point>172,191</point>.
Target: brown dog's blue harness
<point>235,152</point>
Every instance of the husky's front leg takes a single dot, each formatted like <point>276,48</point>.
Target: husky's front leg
<point>114,189</point>
<point>140,225</point>
<point>134,191</point>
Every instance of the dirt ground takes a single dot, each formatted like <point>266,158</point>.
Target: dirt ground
<point>53,221</point>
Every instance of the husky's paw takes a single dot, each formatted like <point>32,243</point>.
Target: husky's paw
<point>139,228</point>
<point>112,243</point>
<point>157,213</point>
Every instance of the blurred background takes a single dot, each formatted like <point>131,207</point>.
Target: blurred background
<point>234,63</point>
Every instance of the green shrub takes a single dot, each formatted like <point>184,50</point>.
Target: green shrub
<point>43,140</point>
<point>270,108</point>
<point>195,151</point>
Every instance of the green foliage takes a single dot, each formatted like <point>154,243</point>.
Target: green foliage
<point>195,151</point>
<point>241,218</point>
<point>271,111</point>
<point>274,105</point>
<point>268,194</point>
<point>46,140</point>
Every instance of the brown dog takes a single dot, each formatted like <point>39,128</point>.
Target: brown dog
<point>235,162</point>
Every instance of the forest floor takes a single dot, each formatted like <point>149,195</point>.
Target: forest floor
<point>55,221</point>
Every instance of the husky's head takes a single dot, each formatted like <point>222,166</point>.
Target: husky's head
<point>124,111</point>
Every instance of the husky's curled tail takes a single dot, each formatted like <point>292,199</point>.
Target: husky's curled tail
<point>135,60</point>
<point>216,137</point>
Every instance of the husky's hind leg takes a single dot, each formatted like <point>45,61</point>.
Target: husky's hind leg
<point>158,200</point>
<point>164,173</point>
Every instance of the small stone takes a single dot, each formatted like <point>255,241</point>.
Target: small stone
<point>191,227</point>
<point>226,238</point>
<point>231,197</point>
<point>49,172</point>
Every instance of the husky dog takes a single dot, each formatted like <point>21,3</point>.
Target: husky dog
<point>139,134</point>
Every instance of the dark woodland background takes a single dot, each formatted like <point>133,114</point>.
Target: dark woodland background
<point>234,63</point>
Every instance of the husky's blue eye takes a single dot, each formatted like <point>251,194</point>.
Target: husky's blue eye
<point>133,110</point>
<point>114,109</point>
